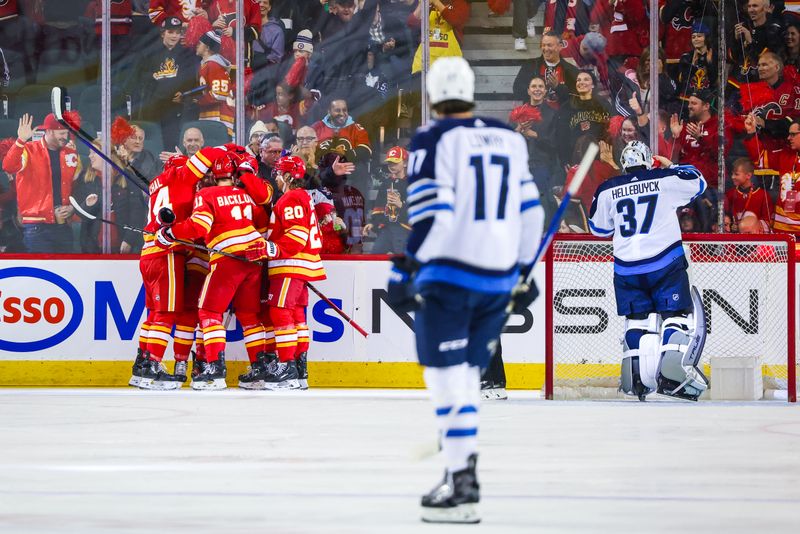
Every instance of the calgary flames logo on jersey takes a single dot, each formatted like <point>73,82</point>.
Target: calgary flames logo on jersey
<point>168,69</point>
<point>700,79</point>
<point>683,20</point>
<point>769,110</point>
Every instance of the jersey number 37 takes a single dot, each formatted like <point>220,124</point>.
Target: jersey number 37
<point>628,209</point>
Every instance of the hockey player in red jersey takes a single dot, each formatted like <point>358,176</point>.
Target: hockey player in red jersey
<point>294,231</point>
<point>224,216</point>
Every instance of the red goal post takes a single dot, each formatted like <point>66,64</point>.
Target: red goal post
<point>749,294</point>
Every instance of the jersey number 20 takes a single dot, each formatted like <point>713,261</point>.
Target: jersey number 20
<point>627,208</point>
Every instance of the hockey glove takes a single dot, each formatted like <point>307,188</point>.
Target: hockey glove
<point>255,252</point>
<point>165,216</point>
<point>165,237</point>
<point>401,293</point>
<point>272,250</point>
<point>523,295</point>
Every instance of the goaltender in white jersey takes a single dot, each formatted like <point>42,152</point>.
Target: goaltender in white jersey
<point>651,283</point>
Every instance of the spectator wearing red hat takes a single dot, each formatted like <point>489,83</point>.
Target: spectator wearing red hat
<point>44,171</point>
<point>389,217</point>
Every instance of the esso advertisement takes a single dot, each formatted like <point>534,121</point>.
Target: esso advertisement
<point>91,309</point>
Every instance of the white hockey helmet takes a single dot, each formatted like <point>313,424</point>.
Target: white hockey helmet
<point>451,78</point>
<point>636,154</point>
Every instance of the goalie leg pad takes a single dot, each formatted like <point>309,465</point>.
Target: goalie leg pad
<point>678,374</point>
<point>640,355</point>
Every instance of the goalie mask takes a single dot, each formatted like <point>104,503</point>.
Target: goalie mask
<point>636,154</point>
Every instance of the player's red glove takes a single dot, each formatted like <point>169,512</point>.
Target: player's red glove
<point>165,237</point>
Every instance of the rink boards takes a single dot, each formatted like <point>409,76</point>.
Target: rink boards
<point>75,322</point>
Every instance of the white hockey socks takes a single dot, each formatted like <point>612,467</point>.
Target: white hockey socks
<point>455,392</point>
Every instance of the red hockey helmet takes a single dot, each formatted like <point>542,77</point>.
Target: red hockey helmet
<point>176,161</point>
<point>224,167</point>
<point>294,166</point>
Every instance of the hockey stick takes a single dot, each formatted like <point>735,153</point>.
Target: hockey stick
<point>338,310</point>
<point>56,102</point>
<point>194,90</point>
<point>86,215</point>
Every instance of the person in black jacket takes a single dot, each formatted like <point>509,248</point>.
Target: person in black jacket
<point>388,218</point>
<point>550,67</point>
<point>165,75</point>
<point>751,37</point>
<point>130,206</point>
<point>88,191</point>
<point>583,114</point>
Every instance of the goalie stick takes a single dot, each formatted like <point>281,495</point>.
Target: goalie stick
<point>85,214</point>
<point>57,104</point>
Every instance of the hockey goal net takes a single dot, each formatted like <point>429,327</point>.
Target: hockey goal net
<point>748,290</point>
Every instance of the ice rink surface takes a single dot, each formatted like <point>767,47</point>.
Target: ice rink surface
<point>341,461</point>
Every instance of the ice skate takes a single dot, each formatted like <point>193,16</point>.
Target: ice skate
<point>197,365</point>
<point>156,377</point>
<point>302,369</point>
<point>493,391</point>
<point>281,375</point>
<point>138,365</point>
<point>212,377</point>
<point>180,371</point>
<point>256,373</point>
<point>455,499</point>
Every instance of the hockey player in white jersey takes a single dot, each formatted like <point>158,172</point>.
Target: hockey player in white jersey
<point>664,321</point>
<point>476,223</point>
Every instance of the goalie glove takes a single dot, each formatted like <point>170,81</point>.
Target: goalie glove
<point>165,237</point>
<point>401,293</point>
<point>522,296</point>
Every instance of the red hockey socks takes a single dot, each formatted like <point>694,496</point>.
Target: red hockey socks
<point>253,335</point>
<point>302,330</point>
<point>285,333</point>
<point>213,334</point>
<point>184,335</point>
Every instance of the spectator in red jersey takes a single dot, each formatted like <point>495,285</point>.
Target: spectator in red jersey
<point>696,143</point>
<point>566,18</point>
<point>773,100</point>
<point>786,162</point>
<point>222,16</point>
<point>44,172</point>
<point>215,102</point>
<point>630,30</point>
<point>285,108</point>
<point>746,197</point>
<point>555,71</point>
<point>752,37</point>
<point>604,166</point>
<point>339,123</point>
<point>185,10</point>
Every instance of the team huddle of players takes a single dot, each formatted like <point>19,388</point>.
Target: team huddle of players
<point>218,239</point>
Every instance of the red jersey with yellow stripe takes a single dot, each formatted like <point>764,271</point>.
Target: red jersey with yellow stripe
<point>293,228</point>
<point>174,189</point>
<point>227,219</point>
<point>786,163</point>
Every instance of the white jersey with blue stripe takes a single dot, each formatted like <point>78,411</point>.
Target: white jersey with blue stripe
<point>472,204</point>
<point>639,211</point>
